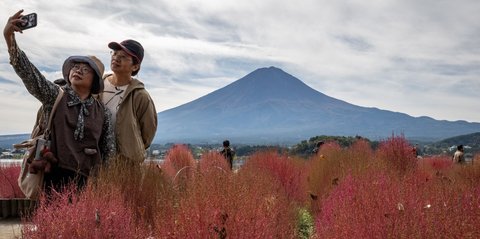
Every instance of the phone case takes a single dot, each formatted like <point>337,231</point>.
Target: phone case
<point>31,21</point>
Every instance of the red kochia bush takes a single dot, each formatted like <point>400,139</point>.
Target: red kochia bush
<point>437,163</point>
<point>290,173</point>
<point>179,162</point>
<point>354,210</point>
<point>397,153</point>
<point>226,205</point>
<point>383,205</point>
<point>8,181</point>
<point>213,161</point>
<point>260,204</point>
<point>88,215</point>
<point>333,163</point>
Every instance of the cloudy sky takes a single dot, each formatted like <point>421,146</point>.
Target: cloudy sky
<point>420,57</point>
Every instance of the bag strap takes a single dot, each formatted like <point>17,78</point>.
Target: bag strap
<point>52,112</point>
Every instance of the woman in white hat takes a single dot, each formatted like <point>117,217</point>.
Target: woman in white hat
<point>81,131</point>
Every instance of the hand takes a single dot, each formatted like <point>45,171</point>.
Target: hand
<point>12,26</point>
<point>37,166</point>
<point>51,161</point>
<point>45,163</point>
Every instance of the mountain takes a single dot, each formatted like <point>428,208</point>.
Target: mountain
<point>472,140</point>
<point>7,141</point>
<point>272,106</point>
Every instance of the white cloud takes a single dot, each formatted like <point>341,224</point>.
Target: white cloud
<point>416,57</point>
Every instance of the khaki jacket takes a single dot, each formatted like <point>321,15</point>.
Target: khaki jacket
<point>136,123</point>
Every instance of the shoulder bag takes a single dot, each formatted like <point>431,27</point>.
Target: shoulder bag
<point>32,184</point>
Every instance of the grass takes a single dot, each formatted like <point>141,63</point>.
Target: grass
<point>8,182</point>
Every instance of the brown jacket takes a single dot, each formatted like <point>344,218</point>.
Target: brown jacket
<point>136,123</point>
<point>78,155</point>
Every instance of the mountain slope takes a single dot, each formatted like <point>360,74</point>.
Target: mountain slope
<point>269,105</point>
<point>472,140</point>
<point>7,141</point>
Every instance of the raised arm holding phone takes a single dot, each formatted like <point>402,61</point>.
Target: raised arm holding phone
<point>81,131</point>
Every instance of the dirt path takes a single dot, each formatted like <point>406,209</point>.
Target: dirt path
<point>10,228</point>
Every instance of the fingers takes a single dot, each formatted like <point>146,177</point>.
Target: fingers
<point>16,22</point>
<point>15,26</point>
<point>17,15</point>
<point>16,18</point>
<point>13,22</point>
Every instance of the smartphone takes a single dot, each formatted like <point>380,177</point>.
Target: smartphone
<point>30,21</point>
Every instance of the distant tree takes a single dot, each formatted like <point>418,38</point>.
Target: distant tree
<point>247,150</point>
<point>305,148</point>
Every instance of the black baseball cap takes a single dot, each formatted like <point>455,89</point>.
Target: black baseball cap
<point>131,47</point>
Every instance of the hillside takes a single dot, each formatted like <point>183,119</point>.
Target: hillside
<point>6,141</point>
<point>472,141</point>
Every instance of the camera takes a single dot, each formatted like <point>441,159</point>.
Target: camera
<point>40,145</point>
<point>30,21</point>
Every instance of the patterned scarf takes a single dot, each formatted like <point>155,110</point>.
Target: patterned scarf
<point>75,100</point>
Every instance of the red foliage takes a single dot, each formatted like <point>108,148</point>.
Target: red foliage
<point>348,201</point>
<point>358,194</point>
<point>290,173</point>
<point>326,170</point>
<point>145,189</point>
<point>323,167</point>
<point>219,205</point>
<point>329,150</point>
<point>213,161</point>
<point>437,163</point>
<point>87,215</point>
<point>361,150</point>
<point>379,205</point>
<point>179,163</point>
<point>397,152</point>
<point>262,198</point>
<point>8,181</point>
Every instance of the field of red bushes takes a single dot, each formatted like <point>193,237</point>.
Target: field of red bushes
<point>353,192</point>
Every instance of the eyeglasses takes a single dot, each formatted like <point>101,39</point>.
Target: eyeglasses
<point>120,57</point>
<point>83,68</point>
